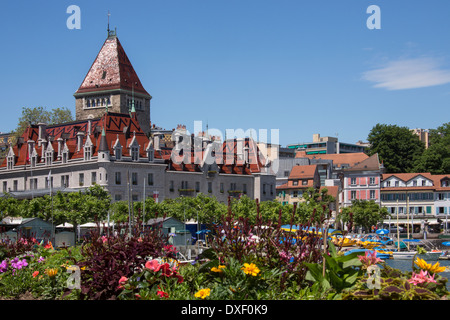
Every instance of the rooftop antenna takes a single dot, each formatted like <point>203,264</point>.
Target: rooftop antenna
<point>108,21</point>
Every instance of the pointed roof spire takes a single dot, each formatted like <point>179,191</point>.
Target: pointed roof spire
<point>103,146</point>
<point>111,70</point>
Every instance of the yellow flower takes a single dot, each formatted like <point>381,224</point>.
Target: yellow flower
<point>203,293</point>
<point>218,269</point>
<point>422,264</point>
<point>251,269</point>
<point>51,272</point>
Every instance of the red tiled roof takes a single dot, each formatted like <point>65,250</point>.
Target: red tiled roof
<point>111,70</point>
<point>303,172</point>
<point>407,176</point>
<point>339,159</point>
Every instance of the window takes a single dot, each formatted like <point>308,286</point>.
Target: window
<point>233,186</point>
<point>295,182</point>
<point>118,153</point>
<point>48,157</point>
<point>295,194</point>
<point>151,155</point>
<point>353,181</point>
<point>424,183</point>
<point>244,188</point>
<point>134,178</point>
<point>184,185</point>
<point>353,195</point>
<point>93,177</point>
<point>33,184</point>
<point>33,161</point>
<point>81,179</point>
<point>221,187</point>
<point>150,179</point>
<point>135,197</point>
<point>286,173</point>
<point>65,181</point>
<point>388,183</point>
<point>10,162</point>
<point>264,188</point>
<point>15,185</point>
<point>210,187</point>
<point>372,194</point>
<point>134,153</point>
<point>441,196</point>
<point>372,180</point>
<point>65,156</point>
<point>304,182</point>
<point>118,178</point>
<point>5,186</point>
<point>118,197</point>
<point>87,153</point>
<point>48,183</point>
<point>171,185</point>
<point>197,186</point>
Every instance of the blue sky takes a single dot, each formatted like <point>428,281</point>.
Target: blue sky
<point>302,67</point>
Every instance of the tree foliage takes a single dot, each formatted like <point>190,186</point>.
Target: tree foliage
<point>436,159</point>
<point>364,213</point>
<point>398,148</point>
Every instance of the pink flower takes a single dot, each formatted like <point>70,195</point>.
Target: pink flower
<point>421,277</point>
<point>122,282</point>
<point>153,265</point>
<point>370,258</point>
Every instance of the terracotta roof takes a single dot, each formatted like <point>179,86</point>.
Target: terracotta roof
<point>332,191</point>
<point>303,172</point>
<point>371,163</point>
<point>350,159</point>
<point>111,70</point>
<point>407,176</point>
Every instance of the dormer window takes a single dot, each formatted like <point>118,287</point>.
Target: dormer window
<point>134,153</point>
<point>65,157</point>
<point>49,157</point>
<point>151,154</point>
<point>87,152</point>
<point>88,149</point>
<point>118,152</point>
<point>33,160</point>
<point>10,162</point>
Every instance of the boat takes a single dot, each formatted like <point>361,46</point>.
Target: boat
<point>408,255</point>
<point>380,255</point>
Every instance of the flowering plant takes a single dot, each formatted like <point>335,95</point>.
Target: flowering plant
<point>154,280</point>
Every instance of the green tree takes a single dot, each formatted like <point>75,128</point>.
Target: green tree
<point>398,148</point>
<point>316,205</point>
<point>436,159</point>
<point>365,213</point>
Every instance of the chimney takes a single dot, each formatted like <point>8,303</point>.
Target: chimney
<point>42,132</point>
<point>60,146</point>
<point>80,136</point>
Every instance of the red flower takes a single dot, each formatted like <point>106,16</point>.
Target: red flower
<point>162,294</point>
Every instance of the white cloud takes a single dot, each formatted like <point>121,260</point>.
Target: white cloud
<point>408,74</point>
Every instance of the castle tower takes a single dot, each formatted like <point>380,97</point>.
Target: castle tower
<point>112,85</point>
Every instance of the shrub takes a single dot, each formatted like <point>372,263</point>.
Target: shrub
<point>108,259</point>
